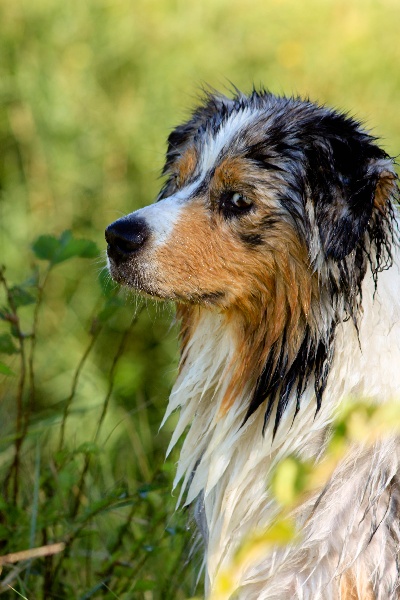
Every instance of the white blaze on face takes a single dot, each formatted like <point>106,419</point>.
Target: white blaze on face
<point>161,217</point>
<point>229,129</point>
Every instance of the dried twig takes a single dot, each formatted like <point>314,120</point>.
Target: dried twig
<point>39,552</point>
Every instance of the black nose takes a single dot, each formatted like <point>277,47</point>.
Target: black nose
<point>125,236</point>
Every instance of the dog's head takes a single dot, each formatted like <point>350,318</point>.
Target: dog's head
<point>256,187</point>
<point>271,212</point>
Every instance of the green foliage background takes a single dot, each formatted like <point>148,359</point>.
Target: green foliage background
<point>89,91</point>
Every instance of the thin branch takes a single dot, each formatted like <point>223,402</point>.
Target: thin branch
<point>39,552</point>
<point>95,332</point>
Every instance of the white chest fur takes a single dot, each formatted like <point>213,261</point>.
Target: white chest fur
<point>227,464</point>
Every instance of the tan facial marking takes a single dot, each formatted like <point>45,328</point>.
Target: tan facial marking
<point>230,172</point>
<point>186,165</point>
<point>384,190</point>
<point>240,174</point>
<point>201,257</point>
<point>286,290</point>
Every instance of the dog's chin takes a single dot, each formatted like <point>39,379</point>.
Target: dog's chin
<point>130,277</point>
<point>135,281</point>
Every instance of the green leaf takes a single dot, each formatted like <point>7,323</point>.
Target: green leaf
<point>56,251</point>
<point>21,297</point>
<point>88,249</point>
<point>4,370</point>
<point>45,247</point>
<point>72,247</point>
<point>7,345</point>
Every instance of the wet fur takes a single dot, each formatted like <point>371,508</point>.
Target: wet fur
<point>286,309</point>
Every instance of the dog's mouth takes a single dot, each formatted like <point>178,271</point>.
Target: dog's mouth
<point>135,274</point>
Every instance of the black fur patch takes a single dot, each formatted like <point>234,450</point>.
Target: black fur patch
<point>279,378</point>
<point>253,240</point>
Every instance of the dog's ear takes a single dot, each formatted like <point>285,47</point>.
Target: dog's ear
<point>350,176</point>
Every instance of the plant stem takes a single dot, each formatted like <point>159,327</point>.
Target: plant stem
<point>74,386</point>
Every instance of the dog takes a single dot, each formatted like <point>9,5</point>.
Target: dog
<point>275,234</point>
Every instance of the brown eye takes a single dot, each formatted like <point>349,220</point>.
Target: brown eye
<point>234,204</point>
<point>240,201</point>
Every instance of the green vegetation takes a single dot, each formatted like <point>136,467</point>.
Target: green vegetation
<point>80,460</point>
<point>89,90</point>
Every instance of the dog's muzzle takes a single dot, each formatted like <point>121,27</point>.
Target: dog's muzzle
<point>125,237</point>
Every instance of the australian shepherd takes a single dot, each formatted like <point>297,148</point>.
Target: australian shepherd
<point>276,235</point>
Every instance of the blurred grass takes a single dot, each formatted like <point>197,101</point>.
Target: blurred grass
<point>88,93</point>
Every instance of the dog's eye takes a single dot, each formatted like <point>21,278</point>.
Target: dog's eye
<point>240,201</point>
<point>235,203</point>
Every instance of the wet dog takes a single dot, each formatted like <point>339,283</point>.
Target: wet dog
<point>275,235</point>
